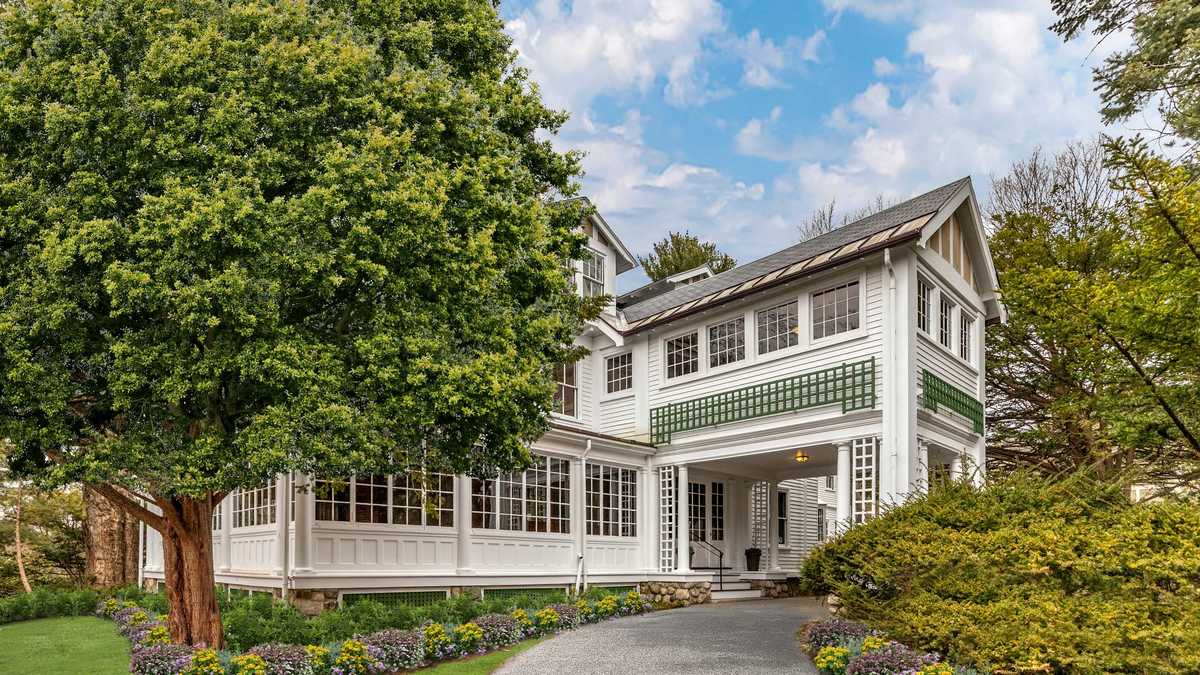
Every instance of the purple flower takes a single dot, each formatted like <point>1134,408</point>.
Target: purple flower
<point>890,659</point>
<point>832,632</point>
<point>284,659</point>
<point>499,630</point>
<point>396,649</point>
<point>160,659</point>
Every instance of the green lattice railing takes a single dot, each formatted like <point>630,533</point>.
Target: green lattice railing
<point>937,392</point>
<point>851,384</point>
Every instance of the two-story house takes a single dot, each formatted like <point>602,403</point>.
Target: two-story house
<point>765,407</point>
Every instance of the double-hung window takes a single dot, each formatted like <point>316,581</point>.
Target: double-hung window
<point>683,355</point>
<point>966,330</point>
<point>779,327</point>
<point>727,342</point>
<point>611,501</point>
<point>945,320</point>
<point>566,389</point>
<point>592,269</point>
<point>835,310</point>
<point>782,515</point>
<point>537,499</point>
<point>924,292</point>
<point>618,372</point>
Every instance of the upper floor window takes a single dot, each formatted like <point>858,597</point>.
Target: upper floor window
<point>683,355</point>
<point>254,506</point>
<point>618,372</point>
<point>778,327</point>
<point>924,291</point>
<point>537,499</point>
<point>727,342</point>
<point>945,320</point>
<point>593,273</point>
<point>611,501</point>
<point>835,310</point>
<point>966,329</point>
<point>566,390</point>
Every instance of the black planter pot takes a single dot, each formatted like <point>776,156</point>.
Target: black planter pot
<point>753,557</point>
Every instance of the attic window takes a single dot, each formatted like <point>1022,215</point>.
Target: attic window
<point>592,269</point>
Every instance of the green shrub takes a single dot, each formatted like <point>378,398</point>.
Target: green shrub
<point>1027,574</point>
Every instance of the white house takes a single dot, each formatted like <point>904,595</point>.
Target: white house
<point>762,407</point>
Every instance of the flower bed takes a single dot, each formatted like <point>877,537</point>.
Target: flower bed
<point>383,651</point>
<point>841,647</point>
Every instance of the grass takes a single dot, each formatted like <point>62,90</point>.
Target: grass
<point>73,645</point>
<point>482,664</point>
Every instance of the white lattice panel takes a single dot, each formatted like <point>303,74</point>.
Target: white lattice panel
<point>667,518</point>
<point>864,455</point>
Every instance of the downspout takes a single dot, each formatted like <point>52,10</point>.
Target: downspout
<point>141,554</point>
<point>894,458</point>
<point>580,569</point>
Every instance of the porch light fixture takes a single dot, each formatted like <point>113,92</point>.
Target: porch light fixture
<point>801,456</point>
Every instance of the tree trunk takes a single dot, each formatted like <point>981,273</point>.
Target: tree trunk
<point>194,617</point>
<point>111,542</point>
<point>17,538</point>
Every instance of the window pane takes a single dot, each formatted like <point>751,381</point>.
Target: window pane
<point>778,327</point>
<point>483,504</point>
<point>332,497</point>
<point>566,392</point>
<point>727,342</point>
<point>835,310</point>
<point>683,355</point>
<point>619,372</point>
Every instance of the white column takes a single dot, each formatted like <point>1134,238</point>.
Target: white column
<point>922,481</point>
<point>648,525</point>
<point>462,522</point>
<point>226,507</point>
<point>956,466</point>
<point>772,525</point>
<point>282,485</point>
<point>683,531</point>
<point>304,524</point>
<point>844,487</point>
<point>578,513</point>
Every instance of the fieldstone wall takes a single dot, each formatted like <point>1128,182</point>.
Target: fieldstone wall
<point>677,593</point>
<point>312,602</point>
<point>777,588</point>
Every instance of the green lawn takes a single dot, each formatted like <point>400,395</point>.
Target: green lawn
<point>82,645</point>
<point>481,665</point>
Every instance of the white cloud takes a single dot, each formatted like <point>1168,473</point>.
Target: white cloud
<point>883,67</point>
<point>763,58</point>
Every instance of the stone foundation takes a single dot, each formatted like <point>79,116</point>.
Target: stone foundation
<point>312,602</point>
<point>676,593</point>
<point>777,588</point>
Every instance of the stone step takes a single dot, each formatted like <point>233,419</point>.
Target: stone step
<point>731,596</point>
<point>731,585</point>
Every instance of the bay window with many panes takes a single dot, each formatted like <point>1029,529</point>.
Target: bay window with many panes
<point>415,499</point>
<point>537,499</point>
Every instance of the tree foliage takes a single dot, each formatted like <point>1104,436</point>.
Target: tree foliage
<point>242,238</point>
<point>1097,366</point>
<point>51,537</point>
<point>681,251</point>
<point>1159,68</point>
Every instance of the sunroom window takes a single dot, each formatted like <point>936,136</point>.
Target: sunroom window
<point>535,500</point>
<point>611,501</point>
<point>386,500</point>
<point>254,506</point>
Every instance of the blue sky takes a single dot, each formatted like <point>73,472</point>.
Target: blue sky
<point>735,120</point>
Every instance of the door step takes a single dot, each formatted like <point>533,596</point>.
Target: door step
<point>731,585</point>
<point>731,596</point>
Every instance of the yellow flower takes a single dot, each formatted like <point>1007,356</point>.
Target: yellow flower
<point>249,664</point>
<point>936,669</point>
<point>873,642</point>
<point>832,659</point>
<point>205,662</point>
<point>317,655</point>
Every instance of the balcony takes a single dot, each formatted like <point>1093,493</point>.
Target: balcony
<point>937,392</point>
<point>851,384</point>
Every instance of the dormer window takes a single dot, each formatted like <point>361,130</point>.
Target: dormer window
<point>592,269</point>
<point>566,390</point>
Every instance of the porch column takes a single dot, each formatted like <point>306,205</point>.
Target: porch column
<point>956,466</point>
<point>578,515</point>
<point>648,525</point>
<point>462,518</point>
<point>922,483</point>
<point>772,525</point>
<point>304,524</point>
<point>282,500</point>
<point>844,487</point>
<point>683,537</point>
<point>226,507</point>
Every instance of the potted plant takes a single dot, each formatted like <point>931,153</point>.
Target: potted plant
<point>753,556</point>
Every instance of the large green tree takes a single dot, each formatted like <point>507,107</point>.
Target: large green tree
<point>244,238</point>
<point>682,251</point>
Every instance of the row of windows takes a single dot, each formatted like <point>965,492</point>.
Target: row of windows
<point>535,500</point>
<point>963,342</point>
<point>390,500</point>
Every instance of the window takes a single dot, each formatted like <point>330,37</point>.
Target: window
<point>696,512</point>
<point>593,274</point>
<point>535,500</point>
<point>611,501</point>
<point>255,506</point>
<point>332,497</point>
<point>566,391</point>
<point>216,520</point>
<point>835,310</point>
<point>830,482</point>
<point>411,493</point>
<point>782,515</point>
<point>822,525</point>
<point>923,293</point>
<point>683,355</point>
<point>727,342</point>
<point>718,511</point>
<point>618,372</point>
<point>966,329</point>
<point>779,327</point>
<point>371,498</point>
<point>945,320</point>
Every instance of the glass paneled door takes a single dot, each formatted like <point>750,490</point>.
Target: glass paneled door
<point>706,523</point>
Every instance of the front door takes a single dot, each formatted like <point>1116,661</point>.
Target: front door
<point>706,524</point>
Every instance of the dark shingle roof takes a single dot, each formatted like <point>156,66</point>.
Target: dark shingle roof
<point>902,213</point>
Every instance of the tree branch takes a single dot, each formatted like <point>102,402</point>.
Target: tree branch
<point>130,506</point>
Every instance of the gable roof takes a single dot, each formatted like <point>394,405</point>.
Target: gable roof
<point>880,230</point>
<point>625,258</point>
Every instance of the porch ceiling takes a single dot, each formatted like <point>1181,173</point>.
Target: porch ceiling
<point>777,465</point>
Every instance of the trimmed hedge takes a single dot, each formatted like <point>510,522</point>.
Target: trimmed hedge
<point>45,603</point>
<point>1027,575</point>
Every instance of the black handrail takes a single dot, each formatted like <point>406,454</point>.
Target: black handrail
<point>720,562</point>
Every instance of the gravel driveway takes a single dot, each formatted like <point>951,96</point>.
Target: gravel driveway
<point>755,636</point>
